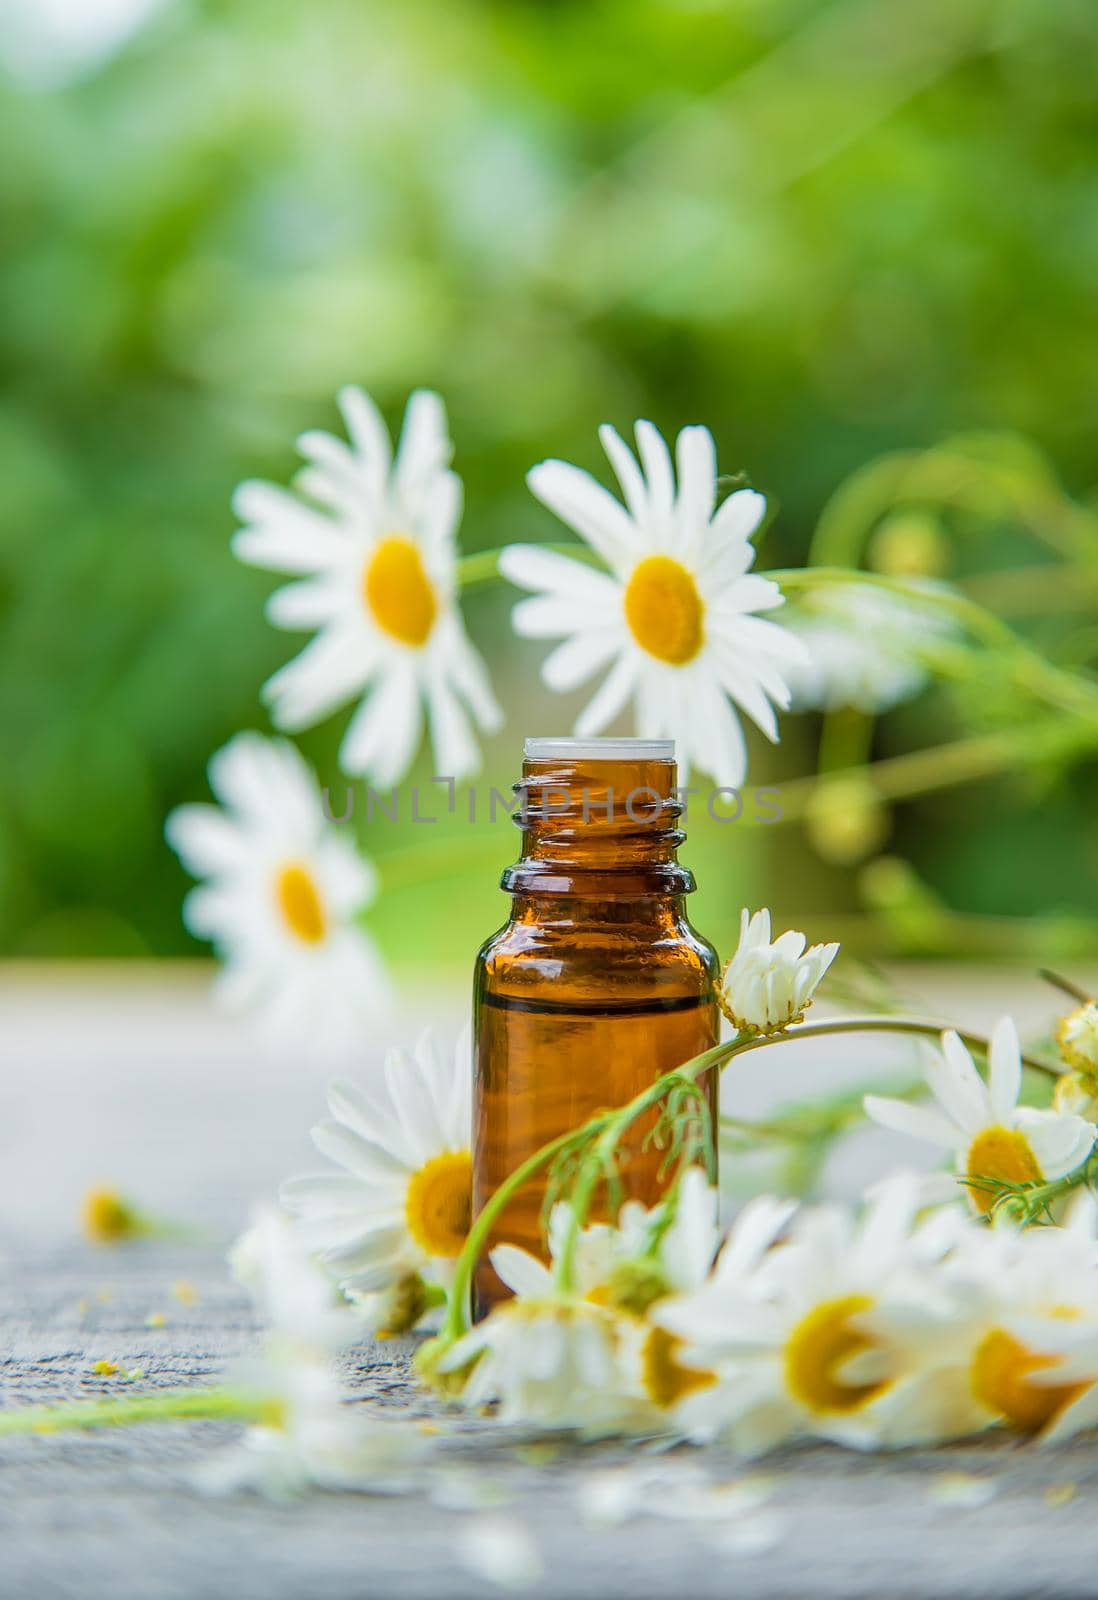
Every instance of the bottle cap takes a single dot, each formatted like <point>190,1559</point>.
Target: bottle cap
<point>599,750</point>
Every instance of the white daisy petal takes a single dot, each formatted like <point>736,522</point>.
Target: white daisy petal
<point>1060,1143</point>
<point>1005,1069</point>
<point>384,731</point>
<point>425,447</point>
<point>958,1087</point>
<point>608,700</point>
<point>521,1271</point>
<point>738,517</point>
<point>656,461</point>
<point>696,458</point>
<point>575,497</point>
<point>367,429</point>
<point>282,534</point>
<point>329,669</point>
<point>578,658</point>
<point>919,1122</point>
<point>627,472</point>
<point>205,840</point>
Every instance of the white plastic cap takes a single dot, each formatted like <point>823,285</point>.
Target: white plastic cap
<point>599,749</point>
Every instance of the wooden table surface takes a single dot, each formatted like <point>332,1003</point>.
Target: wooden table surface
<point>128,1076</point>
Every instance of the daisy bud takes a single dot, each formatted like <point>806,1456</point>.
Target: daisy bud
<point>910,544</point>
<point>107,1218</point>
<point>1076,1095</point>
<point>768,986</point>
<point>1077,1037</point>
<point>847,821</point>
<point>1010,1212</point>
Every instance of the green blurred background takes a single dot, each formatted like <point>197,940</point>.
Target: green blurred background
<point>830,229</point>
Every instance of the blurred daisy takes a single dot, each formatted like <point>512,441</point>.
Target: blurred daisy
<point>401,1206</point>
<point>767,986</point>
<point>864,648</point>
<point>548,1358</point>
<point>283,894</point>
<point>308,1436</point>
<point>993,1138</point>
<point>674,618</point>
<point>377,556</point>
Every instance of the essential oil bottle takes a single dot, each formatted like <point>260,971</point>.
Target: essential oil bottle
<point>597,984</point>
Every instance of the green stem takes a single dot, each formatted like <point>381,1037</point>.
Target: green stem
<point>1032,1199</point>
<point>925,1027</point>
<point>1066,986</point>
<point>457,1313</point>
<point>166,1405</point>
<point>596,1163</point>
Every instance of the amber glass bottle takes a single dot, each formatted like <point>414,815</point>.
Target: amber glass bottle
<point>597,984</point>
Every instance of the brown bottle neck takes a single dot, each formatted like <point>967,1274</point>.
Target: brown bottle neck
<point>599,830</point>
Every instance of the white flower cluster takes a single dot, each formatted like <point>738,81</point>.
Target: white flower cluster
<point>874,1331</point>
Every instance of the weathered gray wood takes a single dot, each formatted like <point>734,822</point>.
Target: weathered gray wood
<point>141,1086</point>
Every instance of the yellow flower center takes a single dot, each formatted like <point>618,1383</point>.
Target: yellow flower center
<point>665,1379</point>
<point>300,904</point>
<point>399,593</point>
<point>664,610</point>
<point>1003,1155</point>
<point>818,1346</point>
<point>439,1203</point>
<point>999,1374</point>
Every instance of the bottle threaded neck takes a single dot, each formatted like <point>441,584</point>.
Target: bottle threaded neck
<point>599,825</point>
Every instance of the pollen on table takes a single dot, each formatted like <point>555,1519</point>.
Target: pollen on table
<point>1059,1494</point>
<point>156,1319</point>
<point>185,1292</point>
<point>106,1369</point>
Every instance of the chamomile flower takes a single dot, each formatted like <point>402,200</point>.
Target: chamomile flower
<point>1077,1036</point>
<point>308,1437</point>
<point>1027,1311</point>
<point>549,1358</point>
<point>283,895</point>
<point>675,617</point>
<point>768,986</point>
<point>995,1140</point>
<point>649,1255</point>
<point>400,1206</point>
<point>788,1333</point>
<point>376,555</point>
<point>1018,1301</point>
